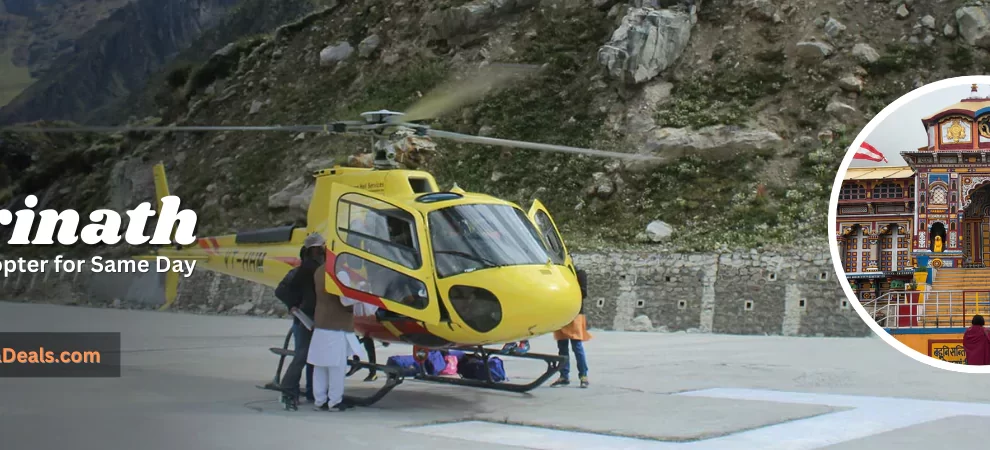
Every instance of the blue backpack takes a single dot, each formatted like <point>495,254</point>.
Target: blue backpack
<point>410,368</point>
<point>473,367</point>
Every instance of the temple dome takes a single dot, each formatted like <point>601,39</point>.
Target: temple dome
<point>972,106</point>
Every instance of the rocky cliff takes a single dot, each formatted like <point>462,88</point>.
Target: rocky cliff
<point>753,102</point>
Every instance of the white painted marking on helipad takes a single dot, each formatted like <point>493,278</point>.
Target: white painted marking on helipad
<point>870,416</point>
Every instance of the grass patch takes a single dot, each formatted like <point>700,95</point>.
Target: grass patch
<point>14,80</point>
<point>900,57</point>
<point>722,97</point>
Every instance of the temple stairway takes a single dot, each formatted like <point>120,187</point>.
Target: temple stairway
<point>962,280</point>
<point>957,295</point>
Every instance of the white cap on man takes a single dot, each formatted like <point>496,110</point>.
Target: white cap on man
<point>314,240</point>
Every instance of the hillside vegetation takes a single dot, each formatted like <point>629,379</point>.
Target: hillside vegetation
<point>754,102</point>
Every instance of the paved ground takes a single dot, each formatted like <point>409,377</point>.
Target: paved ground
<point>189,382</point>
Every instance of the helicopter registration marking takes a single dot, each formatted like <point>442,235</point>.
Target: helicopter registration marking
<point>248,261</point>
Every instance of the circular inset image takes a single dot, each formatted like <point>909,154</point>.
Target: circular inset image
<point>911,214</point>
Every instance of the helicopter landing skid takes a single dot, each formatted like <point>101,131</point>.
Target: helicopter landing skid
<point>394,376</point>
<point>553,366</point>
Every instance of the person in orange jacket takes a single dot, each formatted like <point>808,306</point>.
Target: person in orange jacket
<point>576,333</point>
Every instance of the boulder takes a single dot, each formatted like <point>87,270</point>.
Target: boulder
<point>758,9</point>
<point>300,202</point>
<point>471,17</point>
<point>851,83</point>
<point>845,113</point>
<point>928,22</point>
<point>601,185</point>
<point>336,53</point>
<point>647,42</point>
<point>865,53</point>
<point>368,46</point>
<point>255,107</point>
<point>658,230</point>
<point>903,12</point>
<point>640,323</point>
<point>949,31</point>
<point>974,25</point>
<point>283,198</point>
<point>243,308</point>
<point>131,182</point>
<point>833,28</point>
<point>813,52</point>
<point>715,141</point>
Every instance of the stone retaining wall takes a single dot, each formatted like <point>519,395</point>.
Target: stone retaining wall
<point>738,293</point>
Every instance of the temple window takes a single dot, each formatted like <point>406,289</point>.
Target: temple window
<point>888,190</point>
<point>894,250</point>
<point>857,251</point>
<point>852,192</point>
<point>938,195</point>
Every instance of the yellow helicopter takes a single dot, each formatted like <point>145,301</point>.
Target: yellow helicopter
<point>480,270</point>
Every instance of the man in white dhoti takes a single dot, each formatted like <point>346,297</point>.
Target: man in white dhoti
<point>332,343</point>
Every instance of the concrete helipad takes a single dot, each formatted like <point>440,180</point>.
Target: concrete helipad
<point>189,382</point>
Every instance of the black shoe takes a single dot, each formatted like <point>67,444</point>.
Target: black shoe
<point>339,407</point>
<point>560,382</point>
<point>371,377</point>
<point>291,403</point>
<point>323,407</point>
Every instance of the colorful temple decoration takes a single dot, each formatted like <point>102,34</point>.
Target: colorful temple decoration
<point>875,229</point>
<point>938,205</point>
<point>921,232</point>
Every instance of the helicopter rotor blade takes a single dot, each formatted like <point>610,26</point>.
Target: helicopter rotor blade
<point>121,129</point>
<point>467,138</point>
<point>471,88</point>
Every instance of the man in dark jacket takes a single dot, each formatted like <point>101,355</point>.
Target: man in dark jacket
<point>298,292</point>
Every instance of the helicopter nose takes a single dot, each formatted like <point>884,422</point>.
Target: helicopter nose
<point>518,301</point>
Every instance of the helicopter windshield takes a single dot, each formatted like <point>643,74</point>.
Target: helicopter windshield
<point>480,236</point>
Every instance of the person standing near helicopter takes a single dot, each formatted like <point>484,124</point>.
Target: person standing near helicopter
<point>575,333</point>
<point>297,293</point>
<point>333,342</point>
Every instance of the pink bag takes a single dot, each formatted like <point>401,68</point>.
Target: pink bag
<point>451,368</point>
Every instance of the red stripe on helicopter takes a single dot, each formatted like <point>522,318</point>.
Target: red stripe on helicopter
<point>348,292</point>
<point>290,260</point>
<point>216,246</point>
<point>409,327</point>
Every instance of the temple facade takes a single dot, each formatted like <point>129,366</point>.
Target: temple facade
<point>875,226</point>
<point>938,205</point>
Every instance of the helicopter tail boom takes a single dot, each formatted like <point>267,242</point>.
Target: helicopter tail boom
<point>161,185</point>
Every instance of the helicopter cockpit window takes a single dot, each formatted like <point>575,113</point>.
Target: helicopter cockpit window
<point>550,234</point>
<point>466,238</point>
<point>378,228</point>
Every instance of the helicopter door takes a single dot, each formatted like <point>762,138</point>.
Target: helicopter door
<point>548,229</point>
<point>377,249</point>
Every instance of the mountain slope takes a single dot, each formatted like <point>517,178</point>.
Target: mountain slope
<point>33,33</point>
<point>754,102</point>
<point>115,57</point>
